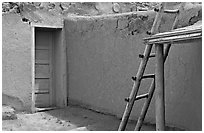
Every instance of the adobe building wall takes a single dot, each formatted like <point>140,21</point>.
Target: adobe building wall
<point>16,62</point>
<point>17,53</point>
<point>102,57</point>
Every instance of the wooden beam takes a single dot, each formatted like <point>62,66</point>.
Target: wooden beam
<point>175,35</point>
<point>176,38</point>
<point>159,91</point>
<point>37,25</point>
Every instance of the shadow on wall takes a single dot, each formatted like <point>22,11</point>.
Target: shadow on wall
<point>12,101</point>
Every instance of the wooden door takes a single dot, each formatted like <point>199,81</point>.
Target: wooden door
<point>43,69</point>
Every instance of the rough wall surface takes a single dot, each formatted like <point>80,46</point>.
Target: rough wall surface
<point>16,45</point>
<point>16,62</point>
<point>102,57</point>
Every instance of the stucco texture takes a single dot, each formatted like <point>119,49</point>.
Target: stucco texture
<point>16,62</point>
<point>102,54</point>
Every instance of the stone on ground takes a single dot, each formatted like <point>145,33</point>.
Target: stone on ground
<point>8,113</point>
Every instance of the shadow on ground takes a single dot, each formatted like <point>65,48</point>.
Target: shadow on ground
<point>91,120</point>
<point>73,118</point>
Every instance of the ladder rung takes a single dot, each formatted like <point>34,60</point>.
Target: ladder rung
<point>127,99</point>
<point>142,96</point>
<point>152,55</point>
<point>171,11</point>
<point>142,56</point>
<point>148,76</point>
<point>167,11</point>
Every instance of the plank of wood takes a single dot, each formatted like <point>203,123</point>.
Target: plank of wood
<point>177,35</point>
<point>42,100</point>
<point>42,54</point>
<point>41,39</point>
<point>42,71</point>
<point>42,83</point>
<point>45,109</point>
<point>178,38</point>
<point>42,91</point>
<point>54,27</point>
<point>51,55</point>
<point>41,62</point>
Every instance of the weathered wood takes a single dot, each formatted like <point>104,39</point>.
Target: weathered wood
<point>174,26</point>
<point>137,97</point>
<point>42,91</point>
<point>42,39</point>
<point>43,68</point>
<point>41,62</point>
<point>42,54</point>
<point>167,11</point>
<point>44,109</point>
<point>135,89</point>
<point>176,32</point>
<point>150,56</point>
<point>152,86</point>
<point>140,72</point>
<point>171,11</point>
<point>142,96</point>
<point>177,38</point>
<point>51,60</point>
<point>145,107</point>
<point>42,100</point>
<point>42,71</point>
<point>37,25</point>
<point>159,92</point>
<point>148,76</point>
<point>42,83</point>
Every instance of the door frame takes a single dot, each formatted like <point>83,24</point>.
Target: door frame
<point>61,91</point>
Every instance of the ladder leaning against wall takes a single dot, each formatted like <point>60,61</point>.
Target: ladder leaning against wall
<point>160,109</point>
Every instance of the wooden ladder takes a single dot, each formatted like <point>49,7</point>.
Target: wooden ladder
<point>140,74</point>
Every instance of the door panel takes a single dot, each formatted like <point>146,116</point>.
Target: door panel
<point>42,100</point>
<point>43,69</point>
<point>42,39</point>
<point>42,83</point>
<point>42,54</point>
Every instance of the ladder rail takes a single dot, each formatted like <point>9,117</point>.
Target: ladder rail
<point>135,89</point>
<point>152,86</point>
<point>175,24</point>
<point>140,72</point>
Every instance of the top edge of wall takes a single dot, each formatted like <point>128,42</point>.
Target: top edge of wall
<point>109,16</point>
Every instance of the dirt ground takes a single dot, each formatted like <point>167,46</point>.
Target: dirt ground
<point>72,118</point>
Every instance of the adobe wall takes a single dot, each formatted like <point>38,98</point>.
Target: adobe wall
<point>16,53</point>
<point>102,57</point>
<point>16,62</point>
